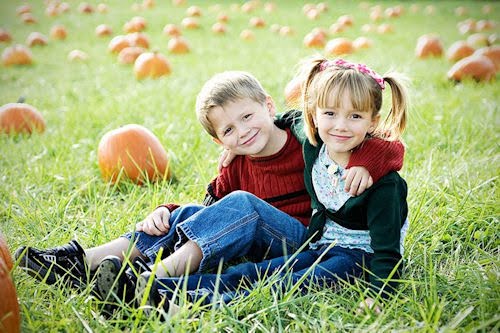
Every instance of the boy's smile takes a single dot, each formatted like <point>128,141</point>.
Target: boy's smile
<point>246,127</point>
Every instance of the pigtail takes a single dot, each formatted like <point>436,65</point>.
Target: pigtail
<point>394,124</point>
<point>309,68</point>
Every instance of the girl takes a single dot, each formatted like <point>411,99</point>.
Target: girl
<point>350,235</point>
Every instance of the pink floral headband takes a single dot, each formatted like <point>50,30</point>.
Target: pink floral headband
<point>359,67</point>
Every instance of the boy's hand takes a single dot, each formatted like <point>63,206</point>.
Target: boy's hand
<point>357,180</point>
<point>225,158</point>
<point>155,224</point>
<point>369,304</point>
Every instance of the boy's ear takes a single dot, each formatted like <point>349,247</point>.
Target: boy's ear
<point>217,141</point>
<point>271,106</point>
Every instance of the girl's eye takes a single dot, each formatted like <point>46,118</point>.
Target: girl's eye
<point>357,116</point>
<point>247,116</point>
<point>227,131</point>
<point>329,113</point>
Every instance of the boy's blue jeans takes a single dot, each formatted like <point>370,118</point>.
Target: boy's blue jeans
<point>240,224</point>
<point>336,263</point>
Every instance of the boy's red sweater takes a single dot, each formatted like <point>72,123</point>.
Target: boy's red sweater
<point>279,179</point>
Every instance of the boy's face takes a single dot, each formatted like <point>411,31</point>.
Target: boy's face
<point>245,127</point>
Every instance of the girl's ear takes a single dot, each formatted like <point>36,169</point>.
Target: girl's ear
<point>271,107</point>
<point>374,124</point>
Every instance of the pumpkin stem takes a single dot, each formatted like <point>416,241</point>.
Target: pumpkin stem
<point>21,99</point>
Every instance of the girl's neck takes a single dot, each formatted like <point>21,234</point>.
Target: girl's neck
<point>341,159</point>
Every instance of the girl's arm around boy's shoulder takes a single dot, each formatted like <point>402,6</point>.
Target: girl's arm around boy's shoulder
<point>378,156</point>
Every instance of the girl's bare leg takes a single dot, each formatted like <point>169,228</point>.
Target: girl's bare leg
<point>117,247</point>
<point>186,259</point>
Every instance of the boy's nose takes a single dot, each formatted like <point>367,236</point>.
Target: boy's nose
<point>243,130</point>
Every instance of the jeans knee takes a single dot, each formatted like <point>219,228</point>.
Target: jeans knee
<point>240,197</point>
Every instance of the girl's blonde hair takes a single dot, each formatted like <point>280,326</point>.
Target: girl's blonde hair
<point>328,84</point>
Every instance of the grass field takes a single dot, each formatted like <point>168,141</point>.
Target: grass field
<point>51,189</point>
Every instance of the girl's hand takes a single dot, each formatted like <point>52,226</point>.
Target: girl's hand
<point>155,224</point>
<point>225,158</point>
<point>369,304</point>
<point>357,180</point>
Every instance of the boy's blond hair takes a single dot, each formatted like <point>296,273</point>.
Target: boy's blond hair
<point>224,88</point>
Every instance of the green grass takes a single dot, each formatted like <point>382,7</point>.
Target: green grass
<point>52,191</point>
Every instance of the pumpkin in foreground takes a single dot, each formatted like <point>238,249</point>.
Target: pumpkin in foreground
<point>10,320</point>
<point>18,118</point>
<point>132,152</point>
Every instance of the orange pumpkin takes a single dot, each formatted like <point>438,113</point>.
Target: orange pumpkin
<point>77,55</point>
<point>193,11</point>
<point>219,28</point>
<point>257,22</point>
<point>429,46</point>
<point>20,118</point>
<point>151,64</point>
<point>5,254</point>
<point>313,39</point>
<point>247,35</point>
<point>178,45</point>
<point>459,50</point>
<point>478,40</point>
<point>362,43</point>
<point>5,36</point>
<point>22,9</point>
<point>118,43</point>
<point>85,8</point>
<point>10,320</point>
<point>138,39</point>
<point>286,31</point>
<point>103,30</point>
<point>190,23</point>
<point>129,54</point>
<point>477,67</point>
<point>222,17</point>
<point>36,38</point>
<point>492,52</point>
<point>17,55</point>
<point>102,8</point>
<point>28,18</point>
<point>134,151</point>
<point>293,92</point>
<point>338,46</point>
<point>58,32</point>
<point>171,30</point>
<point>136,24</point>
<point>345,20</point>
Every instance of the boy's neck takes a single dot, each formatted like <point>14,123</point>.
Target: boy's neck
<point>277,141</point>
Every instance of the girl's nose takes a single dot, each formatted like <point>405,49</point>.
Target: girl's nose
<point>340,123</point>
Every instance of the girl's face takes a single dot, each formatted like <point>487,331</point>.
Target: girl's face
<point>343,128</point>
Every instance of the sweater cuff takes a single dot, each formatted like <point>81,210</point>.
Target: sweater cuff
<point>378,156</point>
<point>170,206</point>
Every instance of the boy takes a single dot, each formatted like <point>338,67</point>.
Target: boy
<point>236,111</point>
